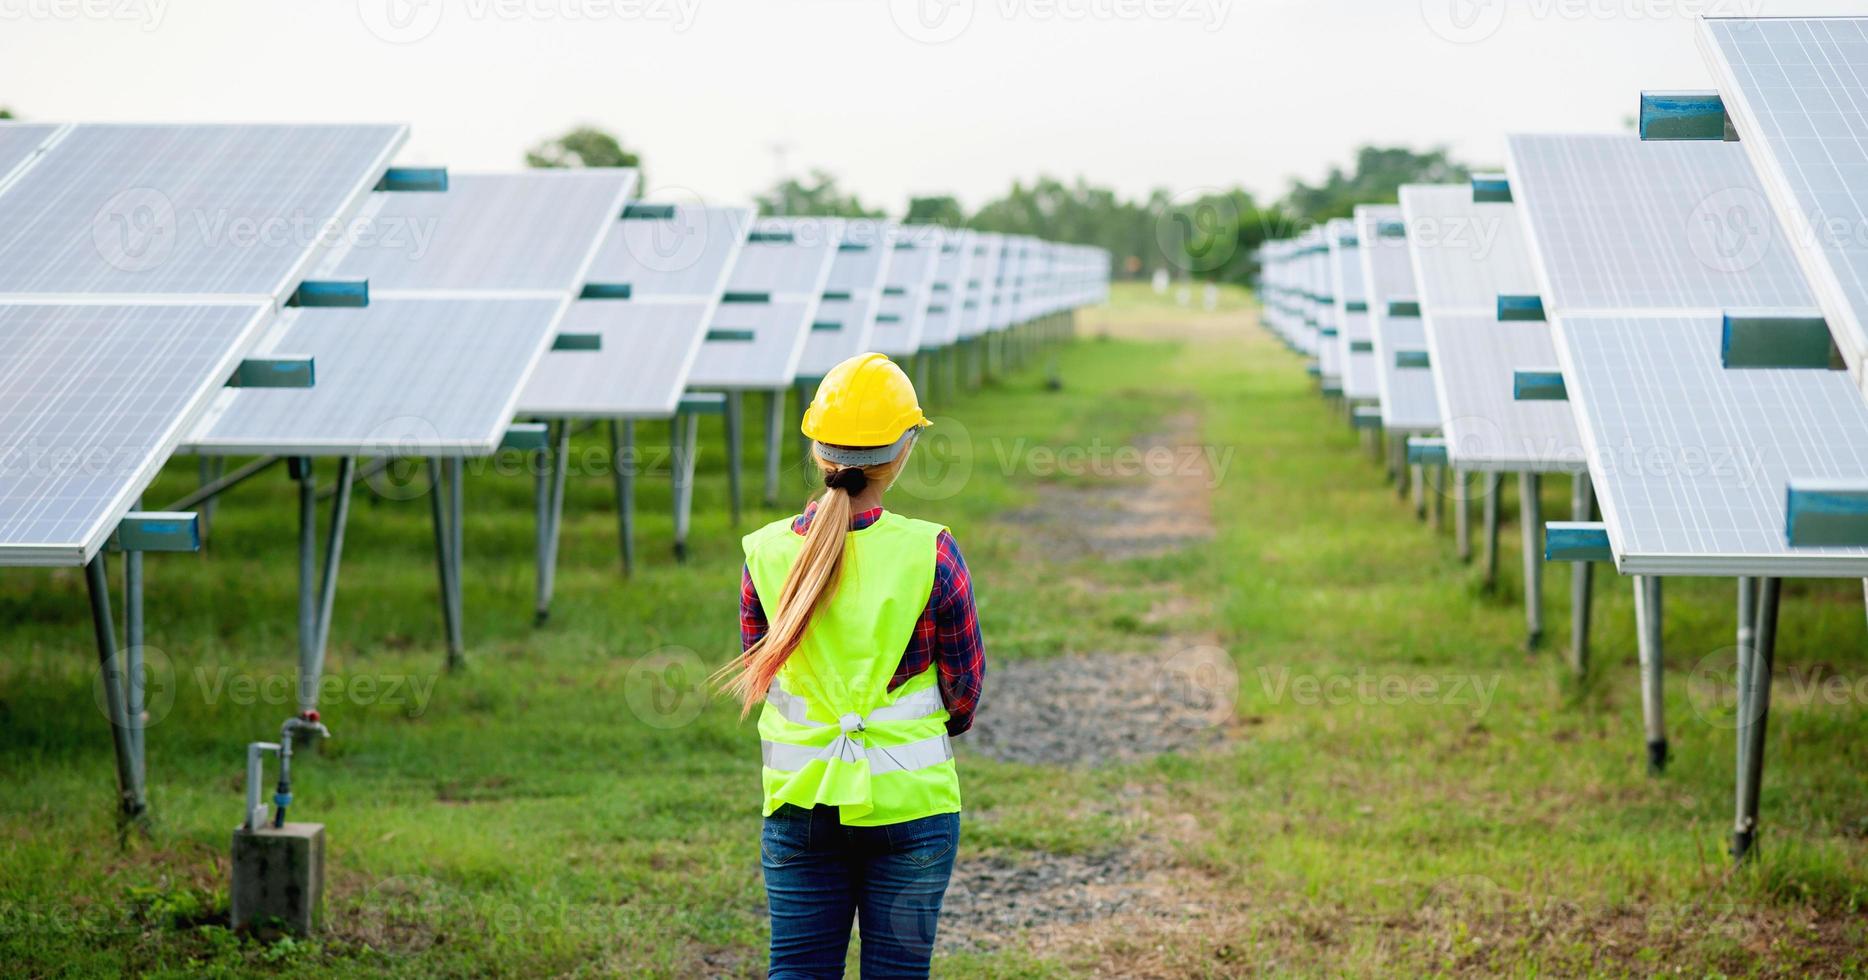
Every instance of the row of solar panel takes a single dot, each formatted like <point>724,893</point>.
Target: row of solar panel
<point>140,265</point>
<point>1618,265</point>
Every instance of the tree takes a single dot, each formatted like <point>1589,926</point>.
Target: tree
<point>820,197</point>
<point>939,209</point>
<point>6,113</point>
<point>1379,173</point>
<point>584,146</point>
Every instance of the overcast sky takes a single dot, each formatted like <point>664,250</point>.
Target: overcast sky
<point>894,96</point>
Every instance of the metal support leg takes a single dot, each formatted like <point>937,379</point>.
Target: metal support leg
<point>305,472</point>
<point>1436,486</point>
<point>133,650</point>
<point>682,437</point>
<point>441,506</point>
<point>1531,524</point>
<point>311,672</point>
<point>541,517</point>
<point>1417,486</point>
<point>1754,712</point>
<point>1462,514</point>
<point>553,525</point>
<point>774,442</point>
<point>1648,618</point>
<point>1397,467</point>
<point>623,471</point>
<point>457,522</point>
<point>1494,486</point>
<point>130,800</point>
<point>735,451</point>
<point>1582,507</point>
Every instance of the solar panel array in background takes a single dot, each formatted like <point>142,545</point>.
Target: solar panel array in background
<point>756,345</point>
<point>846,316</point>
<point>435,364</point>
<point>901,315</point>
<point>1797,91</point>
<point>676,269</point>
<point>947,303</point>
<point>1360,379</point>
<point>1465,255</point>
<point>1407,397</point>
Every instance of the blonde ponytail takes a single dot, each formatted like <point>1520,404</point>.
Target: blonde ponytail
<point>813,578</point>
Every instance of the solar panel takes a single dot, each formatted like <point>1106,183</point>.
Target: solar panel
<point>1797,91</point>
<point>676,267</point>
<point>182,210</point>
<point>532,230</point>
<point>1694,458</point>
<point>419,376</point>
<point>947,303</point>
<point>846,316</point>
<point>1408,403</point>
<point>982,281</point>
<point>1619,224</point>
<point>93,399</point>
<point>901,316</point>
<point>1465,255</point>
<point>1355,338</point>
<point>435,364</point>
<point>19,141</point>
<point>759,331</point>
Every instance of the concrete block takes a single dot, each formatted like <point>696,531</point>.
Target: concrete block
<point>278,878</point>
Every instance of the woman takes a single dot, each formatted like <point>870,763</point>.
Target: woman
<point>859,634</point>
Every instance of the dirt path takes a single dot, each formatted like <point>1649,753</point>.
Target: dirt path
<point>1175,693</point>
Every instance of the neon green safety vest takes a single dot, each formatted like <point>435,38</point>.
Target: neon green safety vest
<point>832,733</point>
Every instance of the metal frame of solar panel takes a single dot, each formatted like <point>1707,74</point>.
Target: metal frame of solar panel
<point>846,318</point>
<point>1666,260</point>
<point>908,290</point>
<point>1355,339</point>
<point>1407,400</point>
<point>1465,255</point>
<point>651,294</point>
<point>435,365</point>
<point>143,260</point>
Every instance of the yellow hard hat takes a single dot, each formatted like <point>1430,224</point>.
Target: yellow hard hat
<point>865,412</point>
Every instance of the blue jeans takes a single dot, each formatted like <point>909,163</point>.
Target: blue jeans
<point>819,875</point>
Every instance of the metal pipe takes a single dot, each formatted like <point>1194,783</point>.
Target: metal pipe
<point>682,437</point>
<point>1531,521</point>
<point>307,475</point>
<point>735,451</point>
<point>443,568</point>
<point>133,649</point>
<point>1648,619</point>
<point>1754,717</point>
<point>457,520</point>
<point>1436,482</point>
<point>623,469</point>
<point>541,523</point>
<point>1417,486</point>
<point>365,473</point>
<point>204,495</point>
<point>1494,487</point>
<point>1582,508</point>
<point>561,454</point>
<point>311,676</point>
<point>1462,515</point>
<point>774,442</point>
<point>130,801</point>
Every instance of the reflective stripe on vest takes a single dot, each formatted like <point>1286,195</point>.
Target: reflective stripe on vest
<point>791,757</point>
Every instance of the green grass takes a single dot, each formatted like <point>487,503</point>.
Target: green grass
<point>571,804</point>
